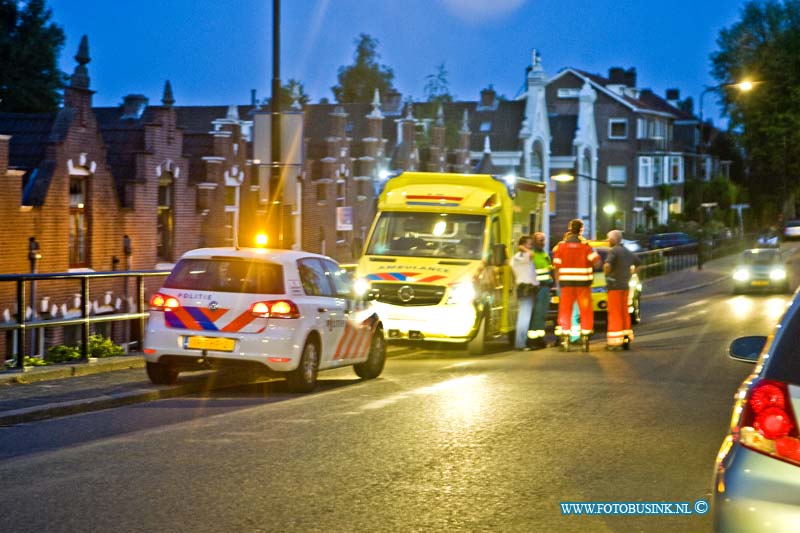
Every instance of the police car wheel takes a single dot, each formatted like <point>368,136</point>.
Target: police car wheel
<point>304,377</point>
<point>373,366</point>
<point>161,373</point>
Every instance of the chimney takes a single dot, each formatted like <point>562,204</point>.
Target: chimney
<point>488,97</point>
<point>673,95</point>
<point>616,76</point>
<point>630,77</point>
<point>133,106</point>
<point>253,101</point>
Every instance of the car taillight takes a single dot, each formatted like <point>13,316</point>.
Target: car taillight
<point>162,302</point>
<point>767,423</point>
<point>275,309</point>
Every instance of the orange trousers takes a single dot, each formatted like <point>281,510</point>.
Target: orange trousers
<point>619,319</point>
<point>567,299</point>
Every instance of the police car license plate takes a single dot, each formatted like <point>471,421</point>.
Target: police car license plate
<point>218,344</point>
<point>759,283</point>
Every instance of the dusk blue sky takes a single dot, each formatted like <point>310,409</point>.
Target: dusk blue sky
<point>215,51</point>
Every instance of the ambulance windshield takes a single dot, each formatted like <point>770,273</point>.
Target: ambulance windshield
<point>407,234</point>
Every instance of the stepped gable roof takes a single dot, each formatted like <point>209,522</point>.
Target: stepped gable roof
<point>124,138</point>
<point>31,133</point>
<point>195,147</point>
<point>562,131</point>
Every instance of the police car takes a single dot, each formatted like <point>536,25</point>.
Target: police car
<point>280,312</point>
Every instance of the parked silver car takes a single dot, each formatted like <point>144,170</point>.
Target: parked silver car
<point>757,476</point>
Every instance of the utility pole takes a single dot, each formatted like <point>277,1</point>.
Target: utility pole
<point>275,207</point>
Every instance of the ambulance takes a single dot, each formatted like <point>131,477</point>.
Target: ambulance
<point>436,259</point>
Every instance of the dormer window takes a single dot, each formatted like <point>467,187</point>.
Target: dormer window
<point>486,126</point>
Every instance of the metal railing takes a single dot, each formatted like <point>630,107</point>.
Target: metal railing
<point>22,326</point>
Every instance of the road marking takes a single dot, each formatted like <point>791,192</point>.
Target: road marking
<point>694,304</point>
<point>668,313</point>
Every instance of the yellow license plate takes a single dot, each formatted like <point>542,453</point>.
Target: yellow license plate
<point>218,344</point>
<point>759,283</point>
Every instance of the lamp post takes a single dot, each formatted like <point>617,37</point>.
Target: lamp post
<point>743,86</point>
<point>608,209</point>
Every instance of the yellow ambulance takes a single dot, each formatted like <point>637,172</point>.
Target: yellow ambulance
<point>436,259</point>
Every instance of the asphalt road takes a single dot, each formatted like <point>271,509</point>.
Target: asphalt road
<point>442,441</point>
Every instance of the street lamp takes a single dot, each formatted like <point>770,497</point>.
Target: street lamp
<point>743,86</point>
<point>566,177</point>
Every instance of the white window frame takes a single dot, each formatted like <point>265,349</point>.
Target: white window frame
<point>612,122</point>
<point>645,171</point>
<point>569,93</point>
<point>612,178</point>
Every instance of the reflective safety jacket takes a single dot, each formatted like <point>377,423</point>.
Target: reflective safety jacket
<point>574,260</point>
<point>544,267</point>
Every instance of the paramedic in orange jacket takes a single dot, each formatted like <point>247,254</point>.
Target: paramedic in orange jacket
<point>574,261</point>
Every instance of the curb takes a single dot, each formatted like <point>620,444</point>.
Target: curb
<point>62,371</point>
<point>648,296</point>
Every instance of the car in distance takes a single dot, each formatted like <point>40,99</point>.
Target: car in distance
<point>760,269</point>
<point>278,312</point>
<point>683,241</point>
<point>791,230</point>
<point>756,483</point>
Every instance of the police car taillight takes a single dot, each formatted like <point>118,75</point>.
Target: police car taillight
<point>275,309</point>
<point>162,302</point>
<point>767,423</point>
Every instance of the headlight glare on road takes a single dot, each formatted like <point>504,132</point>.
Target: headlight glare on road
<point>777,274</point>
<point>741,274</point>
<point>462,293</point>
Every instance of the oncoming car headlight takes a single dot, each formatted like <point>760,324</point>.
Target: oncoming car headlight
<point>777,274</point>
<point>741,274</point>
<point>361,286</point>
<point>462,293</point>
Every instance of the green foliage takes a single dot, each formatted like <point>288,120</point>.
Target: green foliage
<point>62,354</point>
<point>35,361</point>
<point>291,90</point>
<point>437,88</point>
<point>99,347</point>
<point>764,46</point>
<point>30,81</point>
<point>357,82</point>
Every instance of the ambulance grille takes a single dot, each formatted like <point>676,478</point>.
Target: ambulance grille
<point>409,293</point>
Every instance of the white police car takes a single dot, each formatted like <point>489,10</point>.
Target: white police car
<point>276,311</point>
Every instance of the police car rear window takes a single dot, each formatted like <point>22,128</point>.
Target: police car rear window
<point>227,275</point>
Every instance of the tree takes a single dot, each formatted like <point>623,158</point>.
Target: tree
<point>357,82</point>
<point>765,46</point>
<point>437,87</point>
<point>30,81</point>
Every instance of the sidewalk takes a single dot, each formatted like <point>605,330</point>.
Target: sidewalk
<point>60,390</point>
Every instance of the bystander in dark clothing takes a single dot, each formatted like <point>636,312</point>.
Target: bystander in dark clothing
<point>618,268</point>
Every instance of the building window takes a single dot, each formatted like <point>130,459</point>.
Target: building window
<point>536,165</point>
<point>78,223</point>
<point>231,210</point>
<point>617,128</point>
<point>676,169</point>
<point>164,220</point>
<point>569,93</point>
<point>645,171</point>
<point>658,170</point>
<point>617,175</point>
<point>675,205</point>
<point>486,126</point>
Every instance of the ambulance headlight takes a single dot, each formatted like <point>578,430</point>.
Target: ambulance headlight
<point>777,274</point>
<point>462,293</point>
<point>741,274</point>
<point>361,286</point>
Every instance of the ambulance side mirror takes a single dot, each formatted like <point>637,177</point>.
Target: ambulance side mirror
<point>499,255</point>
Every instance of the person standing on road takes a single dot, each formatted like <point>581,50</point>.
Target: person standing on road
<point>574,261</point>
<point>544,275</point>
<point>619,266</point>
<point>527,288</point>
